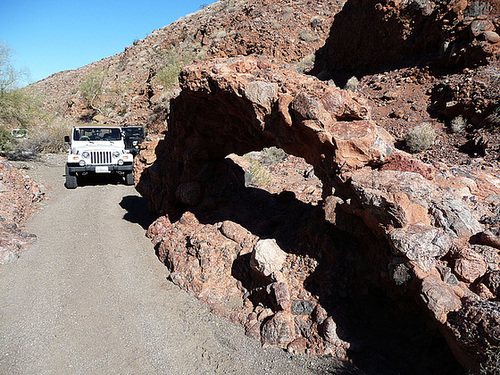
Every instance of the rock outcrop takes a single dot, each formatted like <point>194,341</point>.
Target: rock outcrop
<point>19,195</point>
<point>431,227</point>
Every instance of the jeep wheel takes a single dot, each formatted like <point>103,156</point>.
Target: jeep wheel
<point>129,178</point>
<point>71,181</point>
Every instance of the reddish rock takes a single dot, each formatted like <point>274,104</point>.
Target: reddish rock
<point>491,237</point>
<point>492,281</point>
<point>297,346</point>
<point>281,295</point>
<point>439,298</point>
<point>421,244</point>
<point>279,330</point>
<point>416,209</point>
<point>470,265</point>
<point>402,162</point>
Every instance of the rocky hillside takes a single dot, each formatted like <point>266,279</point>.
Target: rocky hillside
<point>377,241</point>
<point>138,83</point>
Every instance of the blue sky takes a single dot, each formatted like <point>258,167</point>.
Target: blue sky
<point>51,35</point>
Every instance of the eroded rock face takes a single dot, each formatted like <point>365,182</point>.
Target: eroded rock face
<point>389,222</point>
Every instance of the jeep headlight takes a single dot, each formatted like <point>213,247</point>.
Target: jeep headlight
<point>81,163</point>
<point>116,154</point>
<point>120,162</point>
<point>85,155</point>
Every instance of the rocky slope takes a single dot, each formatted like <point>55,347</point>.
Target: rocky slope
<point>138,83</point>
<point>355,248</point>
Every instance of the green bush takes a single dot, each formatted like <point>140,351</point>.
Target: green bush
<point>260,175</point>
<point>46,138</point>
<point>307,36</point>
<point>168,75</point>
<point>260,160</point>
<point>420,138</point>
<point>6,141</point>
<point>306,64</point>
<point>272,155</point>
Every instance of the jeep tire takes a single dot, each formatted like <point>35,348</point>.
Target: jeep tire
<point>71,180</point>
<point>129,178</point>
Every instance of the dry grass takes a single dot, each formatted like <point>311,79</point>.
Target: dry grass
<point>420,138</point>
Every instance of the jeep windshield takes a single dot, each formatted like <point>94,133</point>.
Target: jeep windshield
<point>97,134</point>
<point>134,132</point>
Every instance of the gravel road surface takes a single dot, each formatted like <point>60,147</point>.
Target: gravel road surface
<point>90,297</point>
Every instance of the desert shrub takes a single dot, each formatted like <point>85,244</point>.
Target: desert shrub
<point>306,36</point>
<point>260,175</point>
<point>420,138</point>
<point>352,84</point>
<point>168,75</point>
<point>92,86</point>
<point>306,64</point>
<point>43,139</point>
<point>316,21</point>
<point>272,155</point>
<point>260,160</point>
<point>478,8</point>
<point>19,108</point>
<point>458,124</point>
<point>287,14</point>
<point>6,141</point>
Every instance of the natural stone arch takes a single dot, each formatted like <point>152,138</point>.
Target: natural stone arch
<point>246,104</point>
<point>418,211</point>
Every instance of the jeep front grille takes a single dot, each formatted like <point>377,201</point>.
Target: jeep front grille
<point>100,157</point>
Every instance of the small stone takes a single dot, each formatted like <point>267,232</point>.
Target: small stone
<point>421,243</point>
<point>8,257</point>
<point>281,294</point>
<point>302,307</point>
<point>439,298</point>
<point>297,346</point>
<point>491,37</point>
<point>330,330</point>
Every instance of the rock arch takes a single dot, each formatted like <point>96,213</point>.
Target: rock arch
<point>424,219</point>
<point>246,104</point>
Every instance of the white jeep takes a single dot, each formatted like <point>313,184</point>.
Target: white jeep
<point>97,149</point>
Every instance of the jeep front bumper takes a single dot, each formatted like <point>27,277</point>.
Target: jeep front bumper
<point>109,168</point>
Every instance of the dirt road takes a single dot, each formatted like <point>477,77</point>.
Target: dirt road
<point>90,297</point>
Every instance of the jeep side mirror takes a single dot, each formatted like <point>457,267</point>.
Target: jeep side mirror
<point>66,138</point>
